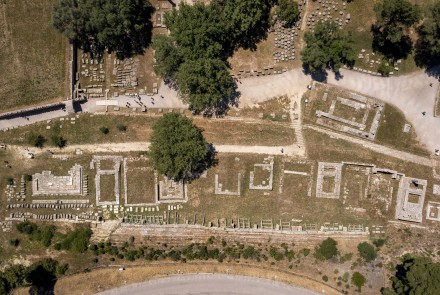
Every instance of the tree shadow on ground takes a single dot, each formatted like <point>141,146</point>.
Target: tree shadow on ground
<point>394,51</point>
<point>320,76</point>
<point>43,281</point>
<point>424,58</point>
<point>210,161</point>
<point>223,105</point>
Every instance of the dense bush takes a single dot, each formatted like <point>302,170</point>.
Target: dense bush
<point>358,280</point>
<point>326,250</point>
<point>367,251</point>
<point>26,227</point>
<point>76,240</point>
<point>42,234</point>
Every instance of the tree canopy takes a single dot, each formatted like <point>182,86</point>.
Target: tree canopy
<point>417,275</point>
<point>326,250</point>
<point>202,37</point>
<point>178,148</point>
<point>120,26</point>
<point>247,21</point>
<point>327,47</point>
<point>288,11</point>
<point>428,44</point>
<point>390,32</point>
<point>203,83</point>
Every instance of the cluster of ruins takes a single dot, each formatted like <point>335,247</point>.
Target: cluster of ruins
<point>326,10</point>
<point>356,115</point>
<point>343,182</point>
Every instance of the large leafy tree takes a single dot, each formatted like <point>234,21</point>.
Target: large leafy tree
<point>198,30</point>
<point>428,44</point>
<point>415,276</point>
<point>120,26</point>
<point>327,47</point>
<point>205,83</point>
<point>246,21</point>
<point>390,32</point>
<point>178,148</point>
<point>202,37</point>
<point>167,55</point>
<point>288,10</point>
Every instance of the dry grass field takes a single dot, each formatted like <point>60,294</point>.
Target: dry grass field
<point>139,128</point>
<point>32,55</point>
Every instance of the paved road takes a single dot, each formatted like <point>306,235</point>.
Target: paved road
<point>209,284</point>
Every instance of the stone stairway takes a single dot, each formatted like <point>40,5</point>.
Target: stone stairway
<point>296,124</point>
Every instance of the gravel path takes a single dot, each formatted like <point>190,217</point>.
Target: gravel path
<point>209,284</point>
<point>376,147</point>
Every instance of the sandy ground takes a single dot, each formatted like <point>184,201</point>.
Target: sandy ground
<point>209,284</point>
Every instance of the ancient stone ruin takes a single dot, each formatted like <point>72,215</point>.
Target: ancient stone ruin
<point>46,183</point>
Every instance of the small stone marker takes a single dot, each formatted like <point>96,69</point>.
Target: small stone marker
<point>406,128</point>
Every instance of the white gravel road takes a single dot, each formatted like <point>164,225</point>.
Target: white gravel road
<point>209,284</point>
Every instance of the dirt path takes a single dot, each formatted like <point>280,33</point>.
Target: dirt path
<point>292,150</point>
<point>376,147</point>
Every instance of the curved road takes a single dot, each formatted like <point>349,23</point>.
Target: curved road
<point>209,284</point>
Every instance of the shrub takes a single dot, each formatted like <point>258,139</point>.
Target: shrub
<point>26,227</point>
<point>305,252</point>
<point>77,240</point>
<point>325,278</point>
<point>346,257</point>
<point>14,242</point>
<point>367,251</point>
<point>36,140</point>
<point>121,127</point>
<point>58,141</point>
<point>358,280</point>
<point>9,180</point>
<point>44,235</point>
<point>28,177</point>
<point>104,130</point>
<point>379,242</point>
<point>384,69</point>
<point>326,250</point>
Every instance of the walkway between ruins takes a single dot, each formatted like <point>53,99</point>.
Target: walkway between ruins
<point>375,147</point>
<point>292,150</point>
